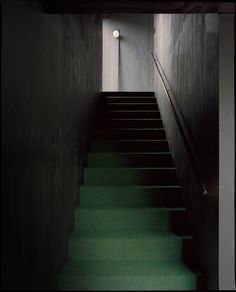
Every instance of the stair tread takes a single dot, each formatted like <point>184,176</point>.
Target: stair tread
<point>133,119</point>
<point>128,97</point>
<point>125,268</point>
<point>126,234</point>
<point>132,209</point>
<point>125,103</point>
<point>132,110</point>
<point>130,106</point>
<point>149,99</point>
<point>133,186</point>
<point>127,93</point>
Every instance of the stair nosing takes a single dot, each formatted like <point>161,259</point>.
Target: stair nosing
<point>115,167</point>
<point>135,119</point>
<point>133,140</point>
<point>129,97</point>
<point>133,111</point>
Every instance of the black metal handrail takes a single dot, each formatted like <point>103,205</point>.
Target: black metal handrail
<point>183,130</point>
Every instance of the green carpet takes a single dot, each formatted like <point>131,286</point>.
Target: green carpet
<point>131,229</point>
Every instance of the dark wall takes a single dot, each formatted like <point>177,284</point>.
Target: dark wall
<point>51,75</point>
<point>187,48</point>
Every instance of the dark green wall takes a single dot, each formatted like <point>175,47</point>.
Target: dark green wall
<point>51,75</point>
<point>187,47</point>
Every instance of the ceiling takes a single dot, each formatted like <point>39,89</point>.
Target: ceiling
<point>134,6</point>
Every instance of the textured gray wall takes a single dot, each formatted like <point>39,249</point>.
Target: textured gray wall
<point>136,44</point>
<point>227,154</point>
<point>51,74</point>
<point>187,47</point>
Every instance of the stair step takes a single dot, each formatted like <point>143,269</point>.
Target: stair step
<point>131,231</point>
<point>140,159</point>
<point>124,99</point>
<point>127,275</point>
<point>132,123</point>
<point>129,245</point>
<point>129,176</point>
<point>127,93</point>
<point>132,114</point>
<point>148,218</point>
<point>131,106</point>
<point>129,145</point>
<point>130,133</point>
<point>130,196</point>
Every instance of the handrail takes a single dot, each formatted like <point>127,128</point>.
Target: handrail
<point>188,145</point>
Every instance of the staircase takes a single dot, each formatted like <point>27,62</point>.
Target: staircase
<point>131,230</point>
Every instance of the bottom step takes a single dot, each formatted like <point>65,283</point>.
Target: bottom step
<point>127,275</point>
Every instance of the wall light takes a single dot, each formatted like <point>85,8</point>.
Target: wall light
<point>116,33</point>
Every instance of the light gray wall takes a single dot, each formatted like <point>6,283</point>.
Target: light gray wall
<point>227,154</point>
<point>187,47</point>
<point>51,75</point>
<point>134,52</point>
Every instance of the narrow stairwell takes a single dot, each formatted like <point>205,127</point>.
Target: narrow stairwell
<point>131,230</point>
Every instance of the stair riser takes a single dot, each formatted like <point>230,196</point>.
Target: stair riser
<point>122,134</point>
<point>135,106</point>
<point>138,283</point>
<point>131,219</point>
<point>160,249</point>
<point>131,123</point>
<point>129,160</point>
<point>132,114</point>
<point>129,146</point>
<point>129,197</point>
<point>128,176</point>
<point>129,99</point>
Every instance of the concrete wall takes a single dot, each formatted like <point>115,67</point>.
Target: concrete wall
<point>51,74</point>
<point>227,154</point>
<point>127,63</point>
<point>187,47</point>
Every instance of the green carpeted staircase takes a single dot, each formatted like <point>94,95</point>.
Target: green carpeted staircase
<point>131,230</point>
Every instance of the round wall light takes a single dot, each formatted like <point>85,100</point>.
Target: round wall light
<point>116,33</point>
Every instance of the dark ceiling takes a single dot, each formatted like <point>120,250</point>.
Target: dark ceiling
<point>134,6</point>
